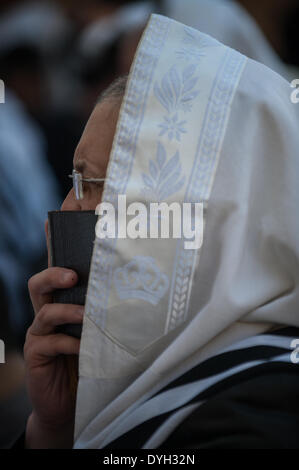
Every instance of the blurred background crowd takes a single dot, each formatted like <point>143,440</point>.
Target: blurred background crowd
<point>56,56</point>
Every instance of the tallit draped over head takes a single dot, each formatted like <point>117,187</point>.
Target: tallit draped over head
<point>199,123</point>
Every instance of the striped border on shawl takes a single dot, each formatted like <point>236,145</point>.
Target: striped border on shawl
<point>202,176</point>
<point>122,158</point>
<point>246,359</point>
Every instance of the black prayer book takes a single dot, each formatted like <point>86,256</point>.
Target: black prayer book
<point>71,238</point>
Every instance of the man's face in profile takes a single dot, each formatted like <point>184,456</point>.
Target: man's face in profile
<point>92,154</point>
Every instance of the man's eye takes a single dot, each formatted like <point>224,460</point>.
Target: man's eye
<point>99,184</point>
<point>92,186</point>
<point>86,187</point>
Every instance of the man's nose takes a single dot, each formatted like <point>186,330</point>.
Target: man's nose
<point>71,203</point>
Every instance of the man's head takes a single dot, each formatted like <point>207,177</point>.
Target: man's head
<point>92,153</point>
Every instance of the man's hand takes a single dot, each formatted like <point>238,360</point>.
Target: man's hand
<point>52,420</point>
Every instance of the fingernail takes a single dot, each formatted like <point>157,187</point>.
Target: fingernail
<point>67,277</point>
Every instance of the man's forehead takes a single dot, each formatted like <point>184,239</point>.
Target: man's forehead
<point>89,169</point>
<point>92,152</point>
<point>80,160</point>
<point>80,165</point>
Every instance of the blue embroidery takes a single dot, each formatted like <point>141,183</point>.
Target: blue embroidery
<point>177,92</point>
<point>122,161</point>
<point>199,185</point>
<point>182,284</point>
<point>172,127</point>
<point>141,279</point>
<point>195,39</point>
<point>189,54</point>
<point>195,43</point>
<point>164,178</point>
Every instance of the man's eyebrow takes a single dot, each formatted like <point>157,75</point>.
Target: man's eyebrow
<point>80,166</point>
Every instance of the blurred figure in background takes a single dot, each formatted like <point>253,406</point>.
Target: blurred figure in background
<point>231,24</point>
<point>14,403</point>
<point>84,46</point>
<point>106,46</point>
<point>279,21</point>
<point>265,31</point>
<point>35,39</point>
<point>28,190</point>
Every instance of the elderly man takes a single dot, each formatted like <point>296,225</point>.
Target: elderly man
<point>181,348</point>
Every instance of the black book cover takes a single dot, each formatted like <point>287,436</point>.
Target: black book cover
<point>71,238</point>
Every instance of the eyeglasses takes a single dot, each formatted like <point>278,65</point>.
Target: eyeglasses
<point>77,183</point>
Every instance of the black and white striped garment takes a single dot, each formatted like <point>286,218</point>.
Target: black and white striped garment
<point>247,396</point>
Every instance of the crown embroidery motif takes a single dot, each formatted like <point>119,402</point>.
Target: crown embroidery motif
<point>141,279</point>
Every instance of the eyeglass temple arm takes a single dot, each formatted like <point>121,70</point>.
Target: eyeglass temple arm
<point>90,180</point>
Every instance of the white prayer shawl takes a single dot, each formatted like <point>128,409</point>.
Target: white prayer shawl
<point>199,123</point>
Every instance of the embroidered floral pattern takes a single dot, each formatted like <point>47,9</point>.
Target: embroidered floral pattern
<point>194,49</point>
<point>172,127</point>
<point>177,92</point>
<point>164,178</point>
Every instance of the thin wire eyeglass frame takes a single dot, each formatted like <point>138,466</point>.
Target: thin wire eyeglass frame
<point>78,180</point>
